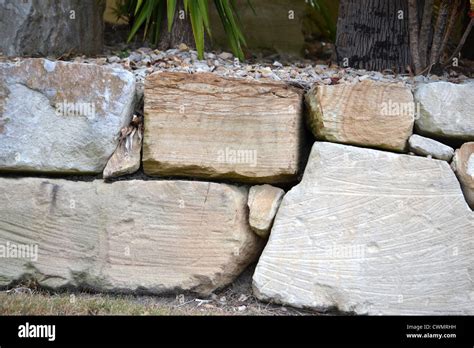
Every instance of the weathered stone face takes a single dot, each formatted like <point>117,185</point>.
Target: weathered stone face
<point>372,114</point>
<point>463,166</point>
<point>263,203</point>
<point>43,28</point>
<point>446,110</point>
<point>371,232</point>
<point>152,236</point>
<point>205,126</point>
<point>58,117</point>
<point>428,147</point>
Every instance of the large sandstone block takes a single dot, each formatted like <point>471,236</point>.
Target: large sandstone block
<point>58,117</point>
<point>446,110</point>
<point>371,232</point>
<point>205,126</point>
<point>151,236</point>
<point>372,114</point>
<point>463,166</point>
<point>42,28</point>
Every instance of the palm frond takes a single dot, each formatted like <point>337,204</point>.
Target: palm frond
<point>149,14</point>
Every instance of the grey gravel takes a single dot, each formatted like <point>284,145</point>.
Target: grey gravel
<point>144,61</point>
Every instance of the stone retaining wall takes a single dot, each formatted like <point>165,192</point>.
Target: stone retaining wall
<point>377,221</point>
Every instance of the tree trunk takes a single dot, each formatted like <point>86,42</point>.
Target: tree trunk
<point>373,34</point>
<point>181,31</point>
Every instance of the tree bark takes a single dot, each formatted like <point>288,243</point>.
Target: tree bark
<point>453,17</point>
<point>181,31</point>
<point>440,27</point>
<point>371,35</point>
<point>425,31</point>
<point>414,35</point>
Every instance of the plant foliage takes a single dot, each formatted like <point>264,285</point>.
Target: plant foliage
<point>149,14</point>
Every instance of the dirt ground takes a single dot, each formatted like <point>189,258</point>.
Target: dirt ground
<point>236,299</point>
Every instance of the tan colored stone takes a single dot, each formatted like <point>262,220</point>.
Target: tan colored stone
<point>205,126</point>
<point>463,166</point>
<point>372,114</point>
<point>263,203</point>
<point>149,236</point>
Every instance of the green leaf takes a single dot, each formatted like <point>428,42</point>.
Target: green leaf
<point>139,4</point>
<point>204,9</point>
<point>231,27</point>
<point>150,9</point>
<point>197,25</point>
<point>139,21</point>
<point>171,9</point>
<point>159,18</point>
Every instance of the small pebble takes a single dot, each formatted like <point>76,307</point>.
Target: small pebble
<point>113,59</point>
<point>183,47</point>
<point>226,55</point>
<point>135,57</point>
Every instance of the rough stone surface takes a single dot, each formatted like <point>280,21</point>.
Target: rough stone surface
<point>263,203</point>
<point>446,110</point>
<point>463,166</point>
<point>429,147</point>
<point>149,236</point>
<point>126,158</point>
<point>373,232</point>
<point>41,28</point>
<point>58,117</point>
<point>205,126</point>
<point>368,114</point>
